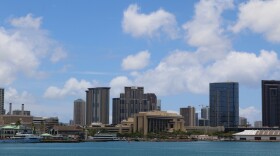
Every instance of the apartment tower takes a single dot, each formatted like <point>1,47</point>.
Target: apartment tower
<point>189,116</point>
<point>79,112</point>
<point>131,102</point>
<point>97,105</point>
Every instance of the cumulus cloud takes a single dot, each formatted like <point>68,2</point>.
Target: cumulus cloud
<point>251,113</point>
<point>261,17</point>
<point>71,87</point>
<point>205,30</point>
<point>17,98</point>
<point>27,21</point>
<point>23,47</point>
<point>149,25</point>
<point>58,54</point>
<point>212,61</point>
<point>138,61</point>
<point>117,85</point>
<point>182,71</point>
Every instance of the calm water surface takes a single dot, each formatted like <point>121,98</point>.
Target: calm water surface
<point>143,149</point>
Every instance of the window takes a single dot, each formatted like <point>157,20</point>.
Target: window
<point>242,138</point>
<point>272,138</point>
<point>258,138</point>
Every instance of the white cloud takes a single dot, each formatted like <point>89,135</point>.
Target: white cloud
<point>58,54</point>
<point>149,25</point>
<point>71,87</point>
<point>205,29</point>
<point>23,47</point>
<point>117,85</point>
<point>138,61</point>
<point>251,113</point>
<point>27,21</point>
<point>183,72</point>
<point>260,17</point>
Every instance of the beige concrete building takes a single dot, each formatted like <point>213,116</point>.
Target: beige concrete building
<point>97,105</point>
<point>8,119</point>
<point>79,112</point>
<point>189,116</point>
<point>157,121</point>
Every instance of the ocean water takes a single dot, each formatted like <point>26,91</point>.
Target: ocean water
<point>198,148</point>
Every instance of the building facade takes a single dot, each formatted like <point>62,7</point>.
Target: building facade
<point>224,104</point>
<point>271,103</point>
<point>258,124</point>
<point>157,121</point>
<point>97,105</point>
<point>2,111</point>
<point>131,102</point>
<point>243,122</point>
<point>205,113</point>
<point>79,114</point>
<point>189,115</point>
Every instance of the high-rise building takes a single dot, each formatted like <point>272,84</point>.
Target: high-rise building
<point>224,104</point>
<point>189,115</point>
<point>158,107</point>
<point>205,113</point>
<point>2,111</point>
<point>97,105</point>
<point>243,122</point>
<point>131,102</point>
<point>79,114</point>
<point>271,103</point>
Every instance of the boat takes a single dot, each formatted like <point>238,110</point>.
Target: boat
<point>104,137</point>
<point>22,138</point>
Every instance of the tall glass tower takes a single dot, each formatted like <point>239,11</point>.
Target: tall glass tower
<point>224,104</point>
<point>2,111</point>
<point>271,103</point>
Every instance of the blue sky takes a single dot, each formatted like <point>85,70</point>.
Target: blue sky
<point>51,51</point>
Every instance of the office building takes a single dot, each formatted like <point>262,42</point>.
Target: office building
<point>79,114</point>
<point>2,111</point>
<point>224,104</point>
<point>203,122</point>
<point>271,103</point>
<point>258,124</point>
<point>158,107</point>
<point>205,113</point>
<point>157,121</point>
<point>97,105</point>
<point>243,122</point>
<point>189,115</point>
<point>131,102</point>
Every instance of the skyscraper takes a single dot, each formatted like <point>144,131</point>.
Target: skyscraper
<point>97,105</point>
<point>224,104</point>
<point>2,111</point>
<point>79,114</point>
<point>131,102</point>
<point>205,113</point>
<point>271,103</point>
<point>189,115</point>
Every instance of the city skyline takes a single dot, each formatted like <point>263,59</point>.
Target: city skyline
<point>50,54</point>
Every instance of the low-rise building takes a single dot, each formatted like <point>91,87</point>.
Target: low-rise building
<point>258,135</point>
<point>157,121</point>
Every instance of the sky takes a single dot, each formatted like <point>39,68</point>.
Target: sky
<point>52,51</point>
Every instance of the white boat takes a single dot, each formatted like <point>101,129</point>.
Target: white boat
<point>22,138</point>
<point>104,137</point>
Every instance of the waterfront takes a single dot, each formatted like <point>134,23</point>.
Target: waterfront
<point>198,148</point>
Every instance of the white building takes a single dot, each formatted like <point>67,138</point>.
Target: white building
<point>258,135</point>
